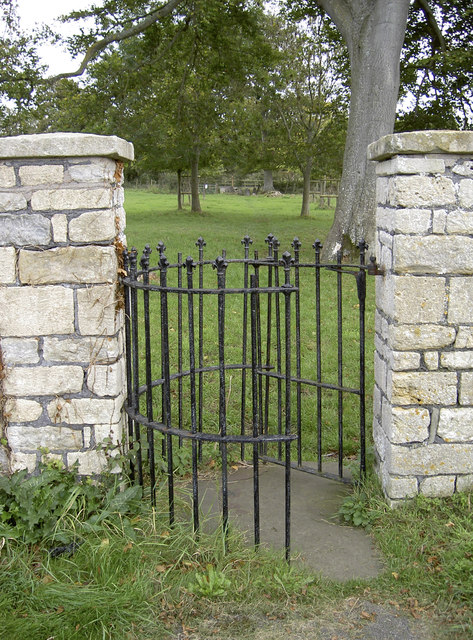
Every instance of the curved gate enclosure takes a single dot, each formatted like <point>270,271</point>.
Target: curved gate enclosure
<point>237,359</point>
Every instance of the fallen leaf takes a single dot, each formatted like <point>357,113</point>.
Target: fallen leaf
<point>127,547</point>
<point>160,568</point>
<point>395,575</point>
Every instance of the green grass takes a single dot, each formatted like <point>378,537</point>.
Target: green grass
<point>225,220</point>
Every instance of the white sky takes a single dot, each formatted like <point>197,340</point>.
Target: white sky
<point>33,12</point>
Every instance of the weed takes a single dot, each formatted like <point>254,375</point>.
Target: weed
<point>210,584</point>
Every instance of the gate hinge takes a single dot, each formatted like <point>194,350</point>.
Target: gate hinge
<point>373,269</point>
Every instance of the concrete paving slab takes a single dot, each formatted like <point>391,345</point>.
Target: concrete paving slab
<point>317,539</point>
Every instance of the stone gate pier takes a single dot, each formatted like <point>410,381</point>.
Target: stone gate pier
<point>423,397</point>
<point>61,347</point>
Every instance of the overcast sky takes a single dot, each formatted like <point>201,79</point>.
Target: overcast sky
<point>33,12</point>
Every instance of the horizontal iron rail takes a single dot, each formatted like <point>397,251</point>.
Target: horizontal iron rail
<point>209,437</point>
<point>135,284</point>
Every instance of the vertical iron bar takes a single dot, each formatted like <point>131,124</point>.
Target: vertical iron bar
<point>195,486</point>
<point>276,244</point>
<point>361,287</point>
<point>161,248</point>
<point>129,387</point>
<point>286,261</point>
<point>269,240</point>
<point>135,360</point>
<point>256,428</point>
<point>200,244</point>
<point>296,243</point>
<point>318,246</point>
<point>246,241</point>
<point>179,339</point>
<point>340,363</point>
<point>258,343</point>
<point>163,265</point>
<point>149,388</point>
<point>220,265</point>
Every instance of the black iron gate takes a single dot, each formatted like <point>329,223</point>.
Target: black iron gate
<point>228,354</point>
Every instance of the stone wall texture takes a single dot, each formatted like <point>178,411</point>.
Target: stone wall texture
<point>423,397</point>
<point>61,345</point>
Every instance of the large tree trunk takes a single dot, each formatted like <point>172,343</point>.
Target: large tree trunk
<point>195,199</point>
<point>268,184</point>
<point>307,170</point>
<point>179,189</point>
<point>374,33</point>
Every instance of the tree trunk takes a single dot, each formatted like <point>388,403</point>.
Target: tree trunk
<point>195,199</point>
<point>179,189</point>
<point>374,33</point>
<point>268,184</point>
<point>306,173</point>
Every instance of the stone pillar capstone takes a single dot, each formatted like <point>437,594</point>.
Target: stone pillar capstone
<point>423,397</point>
<point>62,220</point>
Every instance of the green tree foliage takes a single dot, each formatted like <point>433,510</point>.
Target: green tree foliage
<point>20,73</point>
<point>437,67</point>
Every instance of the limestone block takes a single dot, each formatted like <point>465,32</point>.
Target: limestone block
<point>20,350</point>
<point>431,360</point>
<point>438,486</point>
<point>69,199</point>
<point>439,220</point>
<point>107,379</point>
<point>85,265</point>
<point>410,165</point>
<point>433,254</point>
<point>417,299</point>
<point>406,425</point>
<point>97,310</point>
<point>12,201</point>
<point>90,462</point>
<point>421,191</point>
<point>424,387</point>
<point>456,425</point>
<point>118,197</point>
<point>49,437</point>
<point>466,388</point>
<point>411,220</point>
<point>43,381</point>
<point>460,300</point>
<point>21,410</point>
<point>425,336</point>
<point>405,360</point>
<point>59,224</point>
<point>32,175</point>
<point>7,265</point>
<point>398,488</point>
<point>465,483</point>
<point>7,177</point>
<point>66,145</point>
<point>457,360</point>
<point>459,221</point>
<point>376,401</point>
<point>20,460</point>
<point>111,432</point>
<point>33,311</point>
<point>431,459</point>
<point>120,219</point>
<point>465,193</point>
<point>95,170</point>
<point>93,226</point>
<point>422,142</point>
<point>463,168</point>
<point>386,238</point>
<point>25,229</point>
<point>464,338</point>
<point>381,442</point>
<point>380,372</point>
<point>85,410</point>
<point>99,349</point>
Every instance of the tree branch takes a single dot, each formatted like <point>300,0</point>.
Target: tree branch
<point>93,51</point>
<point>438,41</point>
